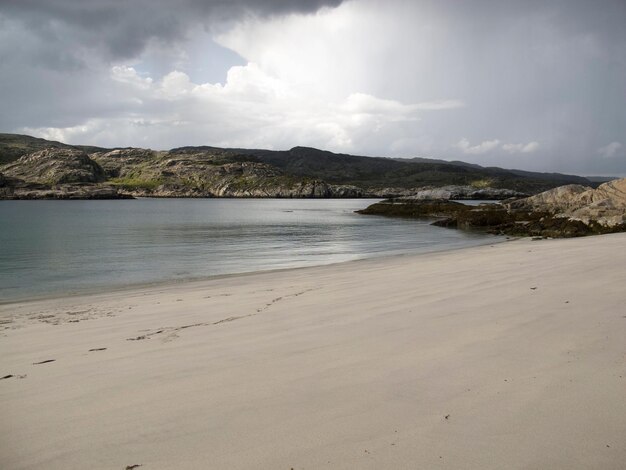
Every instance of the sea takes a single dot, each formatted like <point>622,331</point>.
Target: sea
<point>58,248</point>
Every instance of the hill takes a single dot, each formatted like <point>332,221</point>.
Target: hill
<point>206,171</point>
<point>378,172</point>
<point>13,146</point>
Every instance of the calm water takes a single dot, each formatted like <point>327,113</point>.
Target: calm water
<point>61,247</point>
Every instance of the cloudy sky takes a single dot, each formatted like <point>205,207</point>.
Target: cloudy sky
<point>532,84</point>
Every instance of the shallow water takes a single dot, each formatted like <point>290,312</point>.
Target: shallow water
<point>61,247</point>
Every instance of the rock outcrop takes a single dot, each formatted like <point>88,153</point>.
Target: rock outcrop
<point>64,191</point>
<point>387,193</point>
<point>568,211</point>
<point>56,166</point>
<point>415,209</point>
<point>56,173</point>
<point>117,162</point>
<point>466,192</point>
<point>605,205</point>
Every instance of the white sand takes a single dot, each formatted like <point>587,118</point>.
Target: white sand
<point>352,366</point>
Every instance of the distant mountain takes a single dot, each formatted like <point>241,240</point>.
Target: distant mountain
<point>602,179</point>
<point>206,171</point>
<point>564,178</point>
<point>376,172</point>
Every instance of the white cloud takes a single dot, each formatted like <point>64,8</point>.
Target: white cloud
<point>125,74</point>
<point>483,147</point>
<point>251,108</point>
<point>530,147</point>
<point>362,103</point>
<point>610,150</point>
<point>490,145</point>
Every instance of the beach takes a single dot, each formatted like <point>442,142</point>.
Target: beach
<point>511,355</point>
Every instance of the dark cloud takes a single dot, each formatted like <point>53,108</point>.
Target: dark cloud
<point>542,81</point>
<point>55,55</point>
<point>121,29</point>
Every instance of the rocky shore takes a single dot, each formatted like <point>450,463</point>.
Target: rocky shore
<point>567,211</point>
<point>22,190</point>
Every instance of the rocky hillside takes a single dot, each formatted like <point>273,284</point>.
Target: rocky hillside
<point>56,166</point>
<point>65,173</point>
<point>191,172</point>
<point>14,146</point>
<point>38,165</point>
<point>372,173</point>
<point>55,173</point>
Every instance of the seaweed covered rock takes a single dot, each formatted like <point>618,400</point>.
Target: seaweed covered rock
<point>492,218</point>
<point>415,208</point>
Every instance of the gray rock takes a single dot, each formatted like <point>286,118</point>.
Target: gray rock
<point>118,162</point>
<point>465,192</point>
<point>55,166</point>
<point>387,193</point>
<point>605,205</point>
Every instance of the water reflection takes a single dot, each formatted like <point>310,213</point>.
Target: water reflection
<point>57,247</point>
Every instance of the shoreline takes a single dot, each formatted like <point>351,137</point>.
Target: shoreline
<point>103,290</point>
<point>505,355</point>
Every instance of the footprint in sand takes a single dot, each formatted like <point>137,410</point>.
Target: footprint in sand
<point>138,338</point>
<point>9,376</point>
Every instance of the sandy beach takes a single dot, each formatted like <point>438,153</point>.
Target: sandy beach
<point>505,356</point>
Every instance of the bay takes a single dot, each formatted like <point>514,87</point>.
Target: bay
<point>54,248</point>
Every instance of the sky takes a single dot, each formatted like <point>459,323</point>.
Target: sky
<point>529,84</point>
